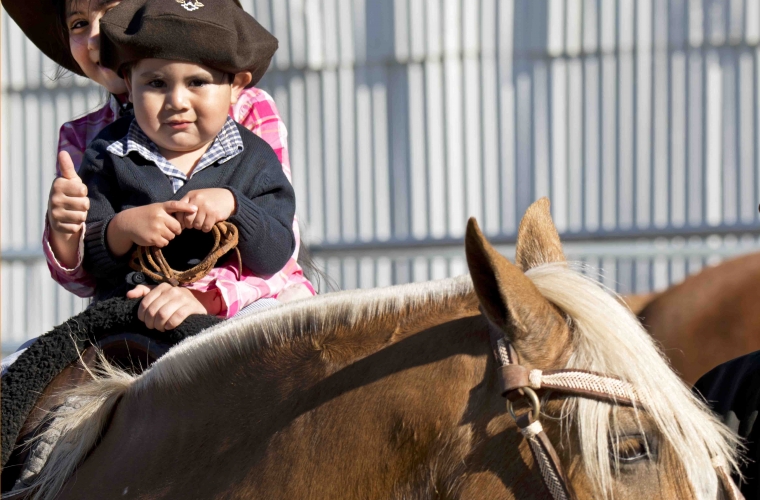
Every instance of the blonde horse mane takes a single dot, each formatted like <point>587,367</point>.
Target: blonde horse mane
<point>607,338</point>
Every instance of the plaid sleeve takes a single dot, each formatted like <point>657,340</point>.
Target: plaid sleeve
<point>70,140</point>
<point>239,292</point>
<point>75,280</point>
<point>73,138</point>
<point>77,134</point>
<point>257,111</point>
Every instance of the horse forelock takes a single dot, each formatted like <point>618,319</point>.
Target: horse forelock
<point>607,338</point>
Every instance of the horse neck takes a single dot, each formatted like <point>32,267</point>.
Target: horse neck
<point>421,412</point>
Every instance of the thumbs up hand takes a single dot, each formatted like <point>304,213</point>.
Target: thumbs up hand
<point>68,203</point>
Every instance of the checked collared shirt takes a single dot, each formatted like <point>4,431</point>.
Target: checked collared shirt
<point>226,146</point>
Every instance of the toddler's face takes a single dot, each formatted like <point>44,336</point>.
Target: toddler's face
<point>180,106</point>
<point>83,23</point>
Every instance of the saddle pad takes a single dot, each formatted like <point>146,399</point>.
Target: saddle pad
<point>36,367</point>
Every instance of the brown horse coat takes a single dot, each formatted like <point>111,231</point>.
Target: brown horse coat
<point>710,318</point>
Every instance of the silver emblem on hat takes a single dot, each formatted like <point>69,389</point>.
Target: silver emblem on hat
<point>189,5</point>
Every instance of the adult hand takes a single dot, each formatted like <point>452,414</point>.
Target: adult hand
<point>214,205</point>
<point>139,291</point>
<point>67,203</point>
<point>165,307</point>
<point>149,225</point>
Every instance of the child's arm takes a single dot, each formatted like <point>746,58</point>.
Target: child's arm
<point>67,212</point>
<point>109,235</point>
<point>149,225</point>
<point>263,212</point>
<point>97,173</point>
<point>63,238</point>
<point>264,218</point>
<point>257,111</point>
<point>73,139</point>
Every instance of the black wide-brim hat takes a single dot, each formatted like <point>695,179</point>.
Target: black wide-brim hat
<point>38,20</point>
<point>215,33</point>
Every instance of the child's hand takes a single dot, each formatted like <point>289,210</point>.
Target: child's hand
<point>214,205</point>
<point>149,225</point>
<point>68,203</point>
<point>165,307</point>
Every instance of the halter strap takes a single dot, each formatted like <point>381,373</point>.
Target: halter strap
<point>517,382</point>
<point>548,462</point>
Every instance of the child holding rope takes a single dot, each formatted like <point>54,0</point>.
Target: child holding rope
<point>68,32</point>
<point>181,163</point>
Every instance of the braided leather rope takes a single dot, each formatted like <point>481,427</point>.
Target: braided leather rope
<point>151,261</point>
<point>586,382</point>
<point>550,470</point>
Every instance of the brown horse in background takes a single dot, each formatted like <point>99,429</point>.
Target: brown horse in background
<point>708,319</point>
<point>393,394</point>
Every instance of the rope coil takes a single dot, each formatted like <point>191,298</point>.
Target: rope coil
<point>151,261</point>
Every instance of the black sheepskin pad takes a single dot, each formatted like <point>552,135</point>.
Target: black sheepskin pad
<point>36,367</point>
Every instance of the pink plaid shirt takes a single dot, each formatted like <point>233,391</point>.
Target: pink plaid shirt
<point>256,111</point>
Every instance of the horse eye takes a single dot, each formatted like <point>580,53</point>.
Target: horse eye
<point>630,449</point>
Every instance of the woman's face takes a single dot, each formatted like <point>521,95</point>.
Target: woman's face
<point>83,23</point>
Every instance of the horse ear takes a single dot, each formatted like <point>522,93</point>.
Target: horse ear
<point>512,302</point>
<point>537,239</point>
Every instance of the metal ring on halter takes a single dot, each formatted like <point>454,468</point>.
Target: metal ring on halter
<point>534,403</point>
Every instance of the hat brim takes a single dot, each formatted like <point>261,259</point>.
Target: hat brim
<point>37,19</point>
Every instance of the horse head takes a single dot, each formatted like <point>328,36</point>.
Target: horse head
<point>667,444</point>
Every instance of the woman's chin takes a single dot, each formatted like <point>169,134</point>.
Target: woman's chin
<point>111,81</point>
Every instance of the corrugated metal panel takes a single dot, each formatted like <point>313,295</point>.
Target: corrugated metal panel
<point>639,118</point>
<point>625,116</point>
<point>625,265</point>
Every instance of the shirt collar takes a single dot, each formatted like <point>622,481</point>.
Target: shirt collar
<point>227,144</point>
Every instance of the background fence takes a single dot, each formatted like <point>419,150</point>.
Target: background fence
<point>639,118</point>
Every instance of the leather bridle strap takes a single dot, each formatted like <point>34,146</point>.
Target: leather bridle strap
<point>517,383</point>
<point>571,382</point>
<point>514,378</point>
<point>548,462</point>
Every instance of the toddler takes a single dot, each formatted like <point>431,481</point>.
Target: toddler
<point>180,162</point>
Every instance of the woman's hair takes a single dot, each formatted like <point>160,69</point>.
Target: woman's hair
<point>61,33</point>
<point>318,277</point>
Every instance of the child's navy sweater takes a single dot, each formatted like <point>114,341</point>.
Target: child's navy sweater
<point>264,197</point>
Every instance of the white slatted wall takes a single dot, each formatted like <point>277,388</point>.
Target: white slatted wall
<point>639,118</point>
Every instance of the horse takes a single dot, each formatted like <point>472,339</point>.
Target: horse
<point>708,319</point>
<point>394,393</point>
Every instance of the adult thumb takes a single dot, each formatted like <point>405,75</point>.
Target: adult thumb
<point>67,166</point>
<point>138,292</point>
